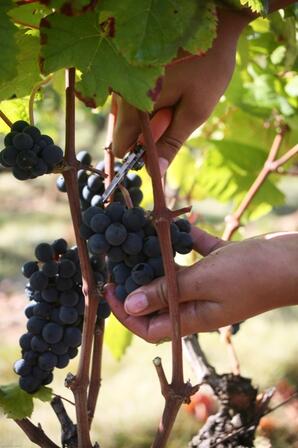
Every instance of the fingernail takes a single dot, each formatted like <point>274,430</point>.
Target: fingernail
<point>136,303</point>
<point>163,165</point>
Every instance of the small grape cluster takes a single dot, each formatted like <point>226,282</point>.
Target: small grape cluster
<point>129,239</point>
<point>91,186</point>
<point>55,312</point>
<point>28,152</point>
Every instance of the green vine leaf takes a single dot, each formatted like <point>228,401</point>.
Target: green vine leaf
<point>29,15</point>
<point>228,171</point>
<point>80,42</point>
<point>255,5</point>
<point>71,8</point>
<point>117,337</point>
<point>151,32</point>
<point>27,67</point>
<point>17,404</point>
<point>8,47</point>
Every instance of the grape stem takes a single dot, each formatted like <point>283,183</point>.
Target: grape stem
<point>80,383</point>
<point>5,119</point>
<point>35,434</point>
<point>177,391</point>
<point>126,196</point>
<point>34,91</point>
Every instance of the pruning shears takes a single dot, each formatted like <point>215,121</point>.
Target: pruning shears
<point>134,159</point>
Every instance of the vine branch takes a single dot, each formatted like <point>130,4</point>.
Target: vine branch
<point>79,385</point>
<point>5,119</point>
<point>271,164</point>
<point>176,392</point>
<point>35,434</point>
<point>95,377</point>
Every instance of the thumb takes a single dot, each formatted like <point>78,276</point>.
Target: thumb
<point>153,297</point>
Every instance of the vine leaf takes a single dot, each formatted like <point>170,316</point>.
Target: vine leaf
<point>80,42</point>
<point>228,171</point>
<point>27,67</point>
<point>18,404</point>
<point>8,47</point>
<point>117,337</point>
<point>71,8</point>
<point>29,14</point>
<point>255,5</point>
<point>151,32</point>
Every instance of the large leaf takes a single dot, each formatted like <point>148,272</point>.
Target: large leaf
<point>151,31</point>
<point>8,48</point>
<point>117,337</point>
<point>27,68</point>
<point>17,404</point>
<point>80,42</point>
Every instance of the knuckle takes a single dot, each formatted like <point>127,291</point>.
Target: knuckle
<point>161,292</point>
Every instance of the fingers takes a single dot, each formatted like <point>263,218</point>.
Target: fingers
<point>157,328</point>
<point>182,125</point>
<point>204,242</point>
<point>127,130</point>
<point>153,297</point>
<point>127,127</point>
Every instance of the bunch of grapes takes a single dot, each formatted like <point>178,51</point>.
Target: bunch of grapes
<point>28,152</point>
<point>129,239</point>
<point>55,312</point>
<point>91,186</point>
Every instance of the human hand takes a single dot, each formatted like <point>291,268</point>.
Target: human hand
<point>232,283</point>
<point>192,88</point>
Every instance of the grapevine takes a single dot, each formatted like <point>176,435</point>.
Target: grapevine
<point>120,245</point>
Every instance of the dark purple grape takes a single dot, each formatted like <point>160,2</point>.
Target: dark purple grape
<point>142,274</point>
<point>52,333</point>
<point>116,234</point>
<point>44,252</point>
<point>29,268</point>
<point>19,125</point>
<point>134,219</point>
<point>38,281</point>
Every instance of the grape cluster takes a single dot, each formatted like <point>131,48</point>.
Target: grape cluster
<point>28,152</point>
<point>91,186</point>
<point>129,239</point>
<point>55,312</point>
